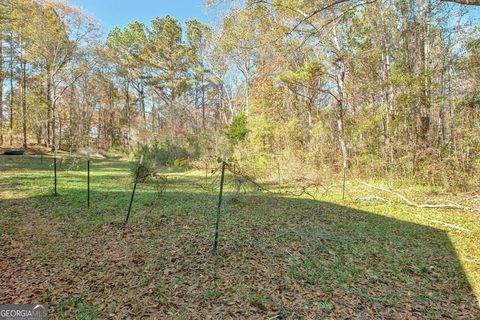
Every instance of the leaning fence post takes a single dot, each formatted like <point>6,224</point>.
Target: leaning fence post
<point>219,206</point>
<point>55,171</point>
<point>134,187</point>
<point>278,174</point>
<point>88,181</point>
<point>206,172</point>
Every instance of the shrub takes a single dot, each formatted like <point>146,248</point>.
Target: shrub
<point>237,130</point>
<point>165,154</point>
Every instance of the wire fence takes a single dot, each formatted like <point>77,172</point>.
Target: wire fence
<point>227,176</point>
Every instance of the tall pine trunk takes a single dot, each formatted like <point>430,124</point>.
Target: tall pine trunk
<point>341,104</point>
<point>23,81</point>
<point>203,102</point>
<point>11,88</point>
<point>48,128</point>
<point>127,111</point>
<point>53,104</point>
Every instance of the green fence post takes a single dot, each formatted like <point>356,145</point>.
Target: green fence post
<point>219,206</point>
<point>55,172</point>
<point>134,188</point>
<point>88,181</point>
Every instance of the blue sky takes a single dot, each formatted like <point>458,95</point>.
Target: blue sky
<point>111,13</point>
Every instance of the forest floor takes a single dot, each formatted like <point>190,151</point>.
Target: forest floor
<point>291,255</point>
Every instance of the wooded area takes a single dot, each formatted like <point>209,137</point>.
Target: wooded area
<point>375,87</point>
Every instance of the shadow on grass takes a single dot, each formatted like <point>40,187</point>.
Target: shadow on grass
<point>300,257</point>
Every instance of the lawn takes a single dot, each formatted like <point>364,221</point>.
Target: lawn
<point>292,255</point>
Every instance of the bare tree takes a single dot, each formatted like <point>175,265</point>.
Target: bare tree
<point>465,2</point>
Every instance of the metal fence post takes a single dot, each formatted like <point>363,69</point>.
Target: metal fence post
<point>88,181</point>
<point>219,206</point>
<point>55,172</point>
<point>134,188</point>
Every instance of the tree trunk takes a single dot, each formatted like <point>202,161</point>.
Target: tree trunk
<point>1,89</point>
<point>142,102</point>
<point>247,88</point>
<point>195,109</point>
<point>466,2</point>
<point>341,101</point>
<point>53,103</point>
<point>172,108</point>
<point>60,128</point>
<point>425,82</point>
<point>49,109</point>
<point>203,102</point>
<point>23,81</point>
<point>53,109</point>
<point>71,130</point>
<point>11,89</point>
<point>127,111</point>
<point>99,127</point>
<point>341,114</point>
<point>387,87</point>
<point>24,105</point>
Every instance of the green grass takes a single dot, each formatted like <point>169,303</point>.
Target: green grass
<point>277,254</point>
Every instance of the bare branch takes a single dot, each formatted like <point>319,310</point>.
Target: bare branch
<point>426,206</point>
<point>464,2</point>
<point>450,225</point>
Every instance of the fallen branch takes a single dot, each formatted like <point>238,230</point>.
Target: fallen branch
<point>427,206</point>
<point>246,178</point>
<point>372,198</point>
<point>328,188</point>
<point>450,225</point>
